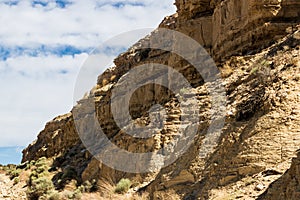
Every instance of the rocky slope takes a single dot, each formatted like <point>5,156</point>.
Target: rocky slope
<point>9,190</point>
<point>256,46</point>
<point>287,186</point>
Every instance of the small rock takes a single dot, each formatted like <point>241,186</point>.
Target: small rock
<point>259,187</point>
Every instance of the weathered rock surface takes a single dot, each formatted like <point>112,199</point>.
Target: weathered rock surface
<point>233,27</point>
<point>287,186</point>
<point>9,190</point>
<point>262,127</point>
<point>58,135</point>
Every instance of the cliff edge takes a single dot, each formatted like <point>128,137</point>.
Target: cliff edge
<point>256,46</point>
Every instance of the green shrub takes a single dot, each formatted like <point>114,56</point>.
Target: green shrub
<point>123,186</point>
<point>41,162</point>
<point>5,168</point>
<point>88,186</point>
<point>75,195</point>
<point>40,187</point>
<point>254,70</point>
<point>28,166</point>
<point>16,180</point>
<point>81,188</point>
<point>262,66</point>
<point>44,197</point>
<point>54,196</point>
<point>41,169</point>
<point>32,162</point>
<point>35,175</point>
<point>13,173</point>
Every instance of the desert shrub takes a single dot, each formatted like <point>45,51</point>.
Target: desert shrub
<point>13,173</point>
<point>183,91</point>
<point>41,169</point>
<point>5,168</point>
<point>62,178</point>
<point>35,175</point>
<point>123,186</point>
<point>27,165</point>
<point>88,186</point>
<point>81,188</point>
<point>262,67</point>
<point>41,162</point>
<point>77,194</point>
<point>254,70</point>
<point>16,180</point>
<point>106,187</point>
<point>32,162</point>
<point>54,196</point>
<point>39,187</point>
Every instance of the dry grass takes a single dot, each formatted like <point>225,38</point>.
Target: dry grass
<point>107,191</point>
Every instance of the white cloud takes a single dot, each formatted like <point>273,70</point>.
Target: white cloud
<point>33,91</point>
<point>81,24</point>
<point>36,88</point>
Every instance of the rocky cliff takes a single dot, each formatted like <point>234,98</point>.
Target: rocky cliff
<point>287,186</point>
<point>231,27</point>
<point>256,46</point>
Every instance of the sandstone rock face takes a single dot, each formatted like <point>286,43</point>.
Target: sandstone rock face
<point>243,26</point>
<point>258,135</point>
<point>262,122</point>
<point>58,135</point>
<point>233,27</point>
<point>287,186</point>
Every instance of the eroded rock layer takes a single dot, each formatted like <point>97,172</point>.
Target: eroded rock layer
<point>261,133</point>
<point>233,27</point>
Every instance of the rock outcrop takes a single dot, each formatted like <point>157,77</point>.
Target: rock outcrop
<point>234,27</point>
<point>287,186</point>
<point>262,127</point>
<point>58,135</point>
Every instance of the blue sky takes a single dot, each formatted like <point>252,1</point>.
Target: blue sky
<point>43,44</point>
<point>10,155</point>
